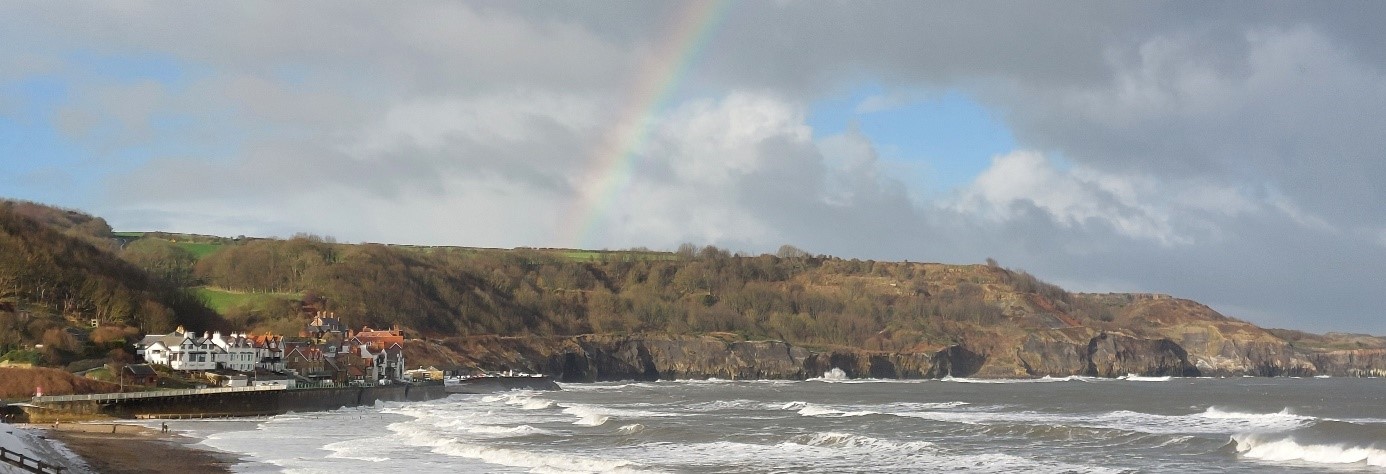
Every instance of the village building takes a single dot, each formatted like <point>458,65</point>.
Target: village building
<point>272,352</point>
<point>386,347</point>
<point>330,355</point>
<point>139,374</point>
<point>179,350</point>
<point>323,326</point>
<point>186,351</point>
<point>308,361</point>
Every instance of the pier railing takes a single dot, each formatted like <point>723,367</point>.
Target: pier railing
<point>151,394</point>
<point>27,463</point>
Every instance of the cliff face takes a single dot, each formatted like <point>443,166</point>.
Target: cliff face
<point>593,358</point>
<point>1215,344</point>
<point>1056,353</point>
<point>1020,330</point>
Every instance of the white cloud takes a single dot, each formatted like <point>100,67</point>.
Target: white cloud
<point>1169,212</point>
<point>1071,198</point>
<point>1203,149</point>
<point>507,117</point>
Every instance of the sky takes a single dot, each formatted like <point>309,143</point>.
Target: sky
<point>1226,152</point>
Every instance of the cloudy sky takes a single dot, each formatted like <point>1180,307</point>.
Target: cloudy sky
<point>1227,152</point>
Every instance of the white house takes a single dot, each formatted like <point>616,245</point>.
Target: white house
<point>183,350</point>
<point>180,350</point>
<point>238,352</point>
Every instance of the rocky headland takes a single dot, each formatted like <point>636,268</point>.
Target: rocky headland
<point>1154,335</point>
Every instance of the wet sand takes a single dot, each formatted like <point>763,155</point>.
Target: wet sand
<point>136,449</point>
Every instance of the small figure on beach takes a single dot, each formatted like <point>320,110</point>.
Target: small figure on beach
<point>163,427</point>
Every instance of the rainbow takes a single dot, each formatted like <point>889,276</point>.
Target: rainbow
<point>610,165</point>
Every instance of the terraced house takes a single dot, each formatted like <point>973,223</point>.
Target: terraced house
<point>186,351</point>
<point>337,356</point>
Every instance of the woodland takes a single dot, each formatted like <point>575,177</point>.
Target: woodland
<point>81,291</point>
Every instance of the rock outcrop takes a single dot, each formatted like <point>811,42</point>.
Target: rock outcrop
<point>1055,353</point>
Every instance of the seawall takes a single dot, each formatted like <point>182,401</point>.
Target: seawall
<point>226,404</point>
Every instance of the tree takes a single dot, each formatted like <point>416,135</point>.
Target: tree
<point>161,259</point>
<point>790,251</point>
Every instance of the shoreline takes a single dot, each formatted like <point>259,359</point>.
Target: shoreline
<point>126,448</point>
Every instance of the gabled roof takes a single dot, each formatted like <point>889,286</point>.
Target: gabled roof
<point>140,370</point>
<point>169,340</point>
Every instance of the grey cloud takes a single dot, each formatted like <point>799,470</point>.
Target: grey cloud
<point>1275,107</point>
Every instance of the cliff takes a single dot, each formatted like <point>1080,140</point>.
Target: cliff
<point>1056,353</point>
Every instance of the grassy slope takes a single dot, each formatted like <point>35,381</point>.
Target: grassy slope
<point>199,249</point>
<point>221,300</point>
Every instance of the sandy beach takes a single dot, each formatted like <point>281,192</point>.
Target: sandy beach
<point>121,448</point>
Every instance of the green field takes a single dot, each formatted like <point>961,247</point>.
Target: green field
<point>221,300</point>
<point>200,249</point>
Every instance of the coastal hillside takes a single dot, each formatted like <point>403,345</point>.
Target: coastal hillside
<point>645,312</point>
<point>58,276</point>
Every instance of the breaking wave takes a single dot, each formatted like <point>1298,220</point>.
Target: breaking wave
<point>844,440</point>
<point>1141,378</point>
<point>1287,448</point>
<point>1323,442</point>
<point>1045,379</point>
<point>587,416</point>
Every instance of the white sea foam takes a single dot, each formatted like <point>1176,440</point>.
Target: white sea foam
<point>833,439</point>
<point>1283,415</point>
<point>594,387</point>
<point>631,429</point>
<point>1140,378</point>
<point>1045,379</point>
<point>354,450</point>
<point>834,375</point>
<point>899,409</point>
<point>587,415</point>
<point>520,430</point>
<point>723,405</point>
<point>820,410</point>
<point>843,452</point>
<point>536,461</point>
<point>529,402</point>
<point>1286,448</point>
<point>1212,420</point>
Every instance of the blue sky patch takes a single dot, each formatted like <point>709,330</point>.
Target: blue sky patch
<point>940,141</point>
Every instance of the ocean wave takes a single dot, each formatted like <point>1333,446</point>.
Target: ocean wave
<point>537,461</point>
<point>831,439</point>
<point>1211,421</point>
<point>1284,414</point>
<point>631,429</point>
<point>521,430</point>
<point>844,452</point>
<point>1045,379</point>
<point>834,375</point>
<point>587,415</point>
<point>721,405</point>
<point>527,401</point>
<point>351,450</point>
<point>721,381</point>
<point>1288,448</point>
<point>1141,378</point>
<point>811,409</point>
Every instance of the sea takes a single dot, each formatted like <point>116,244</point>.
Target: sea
<point>836,425</point>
